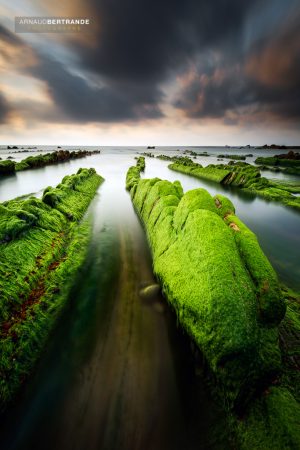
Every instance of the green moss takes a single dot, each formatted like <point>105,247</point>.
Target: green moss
<point>193,200</point>
<point>224,205</point>
<point>7,167</point>
<point>22,166</point>
<point>32,162</point>
<point>133,173</point>
<point>42,248</point>
<point>160,189</point>
<point>271,307</point>
<point>198,171</point>
<point>214,280</point>
<point>290,343</point>
<point>246,177</point>
<point>273,161</point>
<point>272,422</point>
<point>288,170</point>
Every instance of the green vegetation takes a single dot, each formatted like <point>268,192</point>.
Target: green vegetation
<point>288,170</point>
<point>42,247</point>
<point>134,172</point>
<point>244,176</point>
<point>183,159</point>
<point>289,342</point>
<point>290,159</point>
<point>198,171</point>
<point>271,421</point>
<point>218,280</point>
<point>227,297</point>
<point>7,167</point>
<point>32,162</point>
<point>148,154</point>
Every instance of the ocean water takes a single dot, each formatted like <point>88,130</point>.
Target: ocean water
<point>118,372</point>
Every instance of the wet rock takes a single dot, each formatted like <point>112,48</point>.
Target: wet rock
<point>159,307</point>
<point>150,292</point>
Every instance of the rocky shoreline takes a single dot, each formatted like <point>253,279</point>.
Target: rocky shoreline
<point>9,167</point>
<point>227,298</point>
<point>244,176</point>
<point>43,244</point>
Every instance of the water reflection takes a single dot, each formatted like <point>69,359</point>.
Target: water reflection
<point>117,373</point>
<point>276,226</point>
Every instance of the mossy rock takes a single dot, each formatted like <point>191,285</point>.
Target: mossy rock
<point>33,162</point>
<point>7,167</point>
<point>191,201</point>
<point>273,422</point>
<point>224,205</point>
<point>244,176</point>
<point>40,253</point>
<point>22,166</point>
<point>217,279</point>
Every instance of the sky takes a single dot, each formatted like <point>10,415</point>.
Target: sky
<point>153,72</point>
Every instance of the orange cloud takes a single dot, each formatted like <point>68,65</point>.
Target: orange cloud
<point>274,64</point>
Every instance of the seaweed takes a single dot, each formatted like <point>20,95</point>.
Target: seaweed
<point>246,177</point>
<point>227,298</point>
<point>216,277</point>
<point>278,161</point>
<point>43,245</point>
<point>8,167</point>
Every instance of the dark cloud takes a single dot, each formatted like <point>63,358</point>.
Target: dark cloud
<point>212,95</point>
<point>145,40</point>
<point>239,62</point>
<point>75,97</point>
<point>139,45</point>
<point>265,79</point>
<point>80,101</point>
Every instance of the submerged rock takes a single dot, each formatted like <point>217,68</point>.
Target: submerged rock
<point>150,292</point>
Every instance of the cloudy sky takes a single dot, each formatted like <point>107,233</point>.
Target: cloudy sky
<point>169,72</point>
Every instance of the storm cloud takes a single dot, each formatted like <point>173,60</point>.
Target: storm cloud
<point>80,101</point>
<point>146,40</point>
<point>221,60</point>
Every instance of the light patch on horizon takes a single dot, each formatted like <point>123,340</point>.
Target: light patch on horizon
<point>159,133</point>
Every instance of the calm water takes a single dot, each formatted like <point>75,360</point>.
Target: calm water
<point>117,372</point>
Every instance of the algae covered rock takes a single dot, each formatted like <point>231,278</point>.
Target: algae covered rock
<point>216,277</point>
<point>272,422</point>
<point>33,162</point>
<point>42,247</point>
<point>244,176</point>
<point>7,167</point>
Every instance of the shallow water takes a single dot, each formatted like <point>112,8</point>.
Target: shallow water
<point>276,226</point>
<point>117,372</point>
